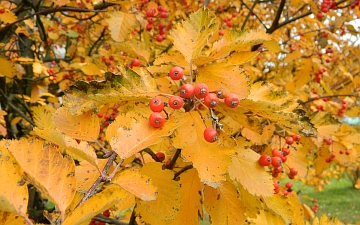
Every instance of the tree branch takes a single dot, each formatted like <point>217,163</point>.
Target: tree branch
<point>274,25</point>
<point>51,10</point>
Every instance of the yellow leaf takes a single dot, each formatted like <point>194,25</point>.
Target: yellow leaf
<point>224,204</point>
<point>91,69</point>
<point>190,139</point>
<point>86,174</point>
<point>256,138</point>
<point>239,58</point>
<point>308,213</point>
<point>134,48</point>
<point>14,192</point>
<point>85,127</point>
<point>191,198</point>
<point>223,75</point>
<point>267,218</point>
<point>132,132</point>
<point>295,55</point>
<point>16,120</point>
<point>82,150</point>
<point>192,35</point>
<point>60,2</point>
<point>111,195</point>
<point>279,204</point>
<point>121,24</point>
<point>7,68</point>
<point>8,17</point>
<point>167,203</point>
<point>11,219</point>
<point>51,173</point>
<point>251,202</point>
<point>246,170</point>
<point>137,184</point>
<point>320,163</point>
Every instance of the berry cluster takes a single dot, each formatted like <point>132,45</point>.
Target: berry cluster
<point>347,152</point>
<point>94,222</point>
<point>108,118</point>
<point>153,23</point>
<point>279,157</point>
<point>326,5</point>
<point>286,191</point>
<point>315,207</point>
<point>199,94</point>
<point>318,74</point>
<point>344,106</point>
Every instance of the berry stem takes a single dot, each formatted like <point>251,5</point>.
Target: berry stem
<point>174,158</point>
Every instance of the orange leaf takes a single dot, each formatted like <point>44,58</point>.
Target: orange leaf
<point>167,203</point>
<point>98,203</point>
<point>224,204</point>
<point>190,139</point>
<point>11,219</point>
<point>85,127</point>
<point>132,132</point>
<point>246,170</point>
<point>190,192</point>
<point>14,192</point>
<point>137,184</point>
<point>51,173</point>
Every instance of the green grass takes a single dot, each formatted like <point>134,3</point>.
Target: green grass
<point>339,199</point>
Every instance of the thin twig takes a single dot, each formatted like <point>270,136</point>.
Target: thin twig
<point>51,10</point>
<point>251,10</point>
<point>327,96</point>
<point>178,173</point>
<point>174,158</point>
<point>97,41</point>
<point>275,24</point>
<point>91,191</point>
<point>16,109</point>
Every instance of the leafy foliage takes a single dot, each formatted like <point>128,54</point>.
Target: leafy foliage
<point>76,78</point>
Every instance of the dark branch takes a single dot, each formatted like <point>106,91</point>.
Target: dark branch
<point>275,24</point>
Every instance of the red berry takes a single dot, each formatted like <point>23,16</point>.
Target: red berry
<point>157,119</point>
<point>161,26</point>
<point>278,169</point>
<point>347,152</point>
<point>265,160</point>
<point>232,100</point>
<point>210,135</point>
<point>106,213</point>
<point>176,102</point>
<point>150,20</point>
<point>2,11</point>
<point>341,151</point>
<point>221,32</point>
<point>221,93</point>
<point>186,91</point>
<point>160,156</point>
<point>107,117</point>
<point>285,151</point>
<point>319,15</point>
<point>328,160</point>
<point>289,140</point>
<point>100,115</point>
<point>277,152</point>
<point>296,137</point>
<point>135,62</point>
<point>201,90</point>
<point>276,161</point>
<point>211,100</point>
<point>164,15</point>
<point>159,38</point>
<point>176,73</point>
<point>283,158</point>
<point>156,104</point>
<point>150,12</point>
<point>333,155</point>
<point>168,163</point>
<point>293,171</point>
<point>149,27</point>
<point>288,185</point>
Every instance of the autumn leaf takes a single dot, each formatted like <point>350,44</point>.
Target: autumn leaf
<point>98,203</point>
<point>137,184</point>
<point>14,192</point>
<point>7,68</point>
<point>246,170</point>
<point>280,205</point>
<point>256,138</point>
<point>74,126</point>
<point>132,132</point>
<point>191,36</point>
<point>190,138</point>
<point>11,219</point>
<point>91,69</point>
<point>267,218</point>
<point>8,17</point>
<point>167,203</point>
<point>191,198</point>
<point>136,48</point>
<point>47,169</point>
<point>224,75</point>
<point>121,24</point>
<point>86,174</point>
<point>224,204</point>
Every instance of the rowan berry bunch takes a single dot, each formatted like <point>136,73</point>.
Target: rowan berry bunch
<point>199,95</point>
<point>157,22</point>
<point>278,159</point>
